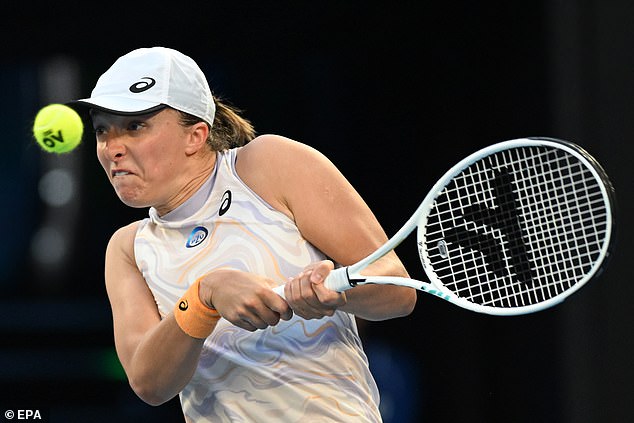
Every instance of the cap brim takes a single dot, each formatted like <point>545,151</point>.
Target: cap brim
<point>118,105</point>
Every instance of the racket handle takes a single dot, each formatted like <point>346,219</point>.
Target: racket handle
<point>279,290</point>
<point>337,280</point>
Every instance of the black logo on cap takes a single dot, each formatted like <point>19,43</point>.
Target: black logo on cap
<point>143,85</point>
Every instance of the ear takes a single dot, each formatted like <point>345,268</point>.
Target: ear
<point>197,138</point>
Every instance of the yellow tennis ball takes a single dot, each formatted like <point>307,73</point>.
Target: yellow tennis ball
<point>58,128</point>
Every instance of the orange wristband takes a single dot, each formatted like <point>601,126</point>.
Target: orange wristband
<point>195,318</point>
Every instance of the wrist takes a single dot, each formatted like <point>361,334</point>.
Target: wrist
<point>194,317</point>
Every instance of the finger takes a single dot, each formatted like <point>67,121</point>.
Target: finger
<point>325,296</point>
<point>244,324</point>
<point>307,293</point>
<point>328,298</point>
<point>279,306</point>
<point>312,302</point>
<point>321,271</point>
<point>303,300</point>
<point>270,317</point>
<point>292,293</point>
<point>268,311</point>
<point>307,305</point>
<point>249,320</point>
<point>256,322</point>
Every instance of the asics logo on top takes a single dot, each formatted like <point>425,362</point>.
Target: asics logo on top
<point>226,203</point>
<point>143,85</point>
<point>196,237</point>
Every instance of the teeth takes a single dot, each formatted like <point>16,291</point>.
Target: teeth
<point>121,173</point>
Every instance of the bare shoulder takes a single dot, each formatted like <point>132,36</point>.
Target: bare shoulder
<point>121,245</point>
<point>305,185</point>
<point>124,235</point>
<point>267,149</point>
<point>120,265</point>
<point>277,168</point>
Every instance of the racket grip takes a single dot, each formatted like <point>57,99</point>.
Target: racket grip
<point>337,280</point>
<point>279,290</point>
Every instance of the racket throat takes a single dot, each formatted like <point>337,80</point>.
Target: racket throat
<point>354,280</point>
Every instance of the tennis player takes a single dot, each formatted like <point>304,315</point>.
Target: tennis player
<point>231,216</point>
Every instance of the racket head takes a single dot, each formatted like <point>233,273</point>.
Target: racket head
<point>517,227</point>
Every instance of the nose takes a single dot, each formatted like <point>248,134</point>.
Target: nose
<point>114,147</point>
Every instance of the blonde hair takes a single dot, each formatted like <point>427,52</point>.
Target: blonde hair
<point>229,130</point>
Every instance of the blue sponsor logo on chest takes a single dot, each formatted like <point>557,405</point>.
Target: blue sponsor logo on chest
<point>197,236</point>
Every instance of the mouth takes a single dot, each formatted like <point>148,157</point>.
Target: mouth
<point>119,172</point>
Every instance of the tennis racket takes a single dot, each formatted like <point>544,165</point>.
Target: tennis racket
<point>512,229</point>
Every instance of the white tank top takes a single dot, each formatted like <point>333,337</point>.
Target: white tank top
<point>300,370</point>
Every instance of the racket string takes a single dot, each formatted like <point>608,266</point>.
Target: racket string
<point>516,228</point>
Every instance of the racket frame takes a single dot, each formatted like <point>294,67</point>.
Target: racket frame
<point>350,276</point>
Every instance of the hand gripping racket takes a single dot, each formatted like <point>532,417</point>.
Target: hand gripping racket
<point>512,229</point>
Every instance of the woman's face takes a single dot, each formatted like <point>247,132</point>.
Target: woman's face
<point>144,156</point>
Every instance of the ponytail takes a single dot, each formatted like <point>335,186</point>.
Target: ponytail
<point>229,130</point>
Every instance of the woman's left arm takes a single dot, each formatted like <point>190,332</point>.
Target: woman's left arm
<point>302,183</point>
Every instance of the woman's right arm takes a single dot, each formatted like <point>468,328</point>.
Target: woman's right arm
<point>159,358</point>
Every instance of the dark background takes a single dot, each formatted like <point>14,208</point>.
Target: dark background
<point>394,93</point>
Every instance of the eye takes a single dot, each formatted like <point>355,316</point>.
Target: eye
<point>99,130</point>
<point>135,126</point>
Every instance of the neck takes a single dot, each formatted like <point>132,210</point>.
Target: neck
<point>190,187</point>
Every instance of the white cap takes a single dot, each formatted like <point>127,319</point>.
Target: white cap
<point>148,78</point>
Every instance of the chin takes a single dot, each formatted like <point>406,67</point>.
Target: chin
<point>132,201</point>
